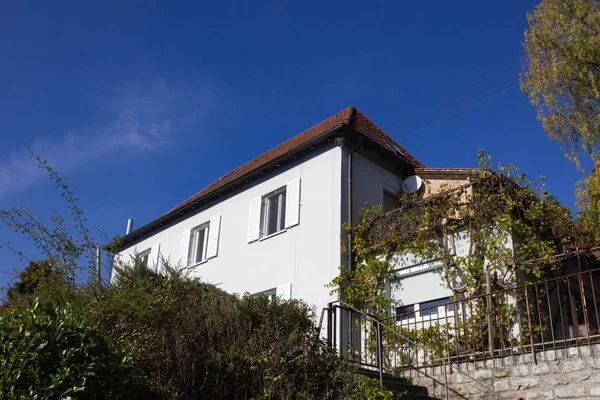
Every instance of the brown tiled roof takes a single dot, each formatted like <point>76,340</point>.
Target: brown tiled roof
<point>447,172</point>
<point>350,117</point>
<point>458,170</point>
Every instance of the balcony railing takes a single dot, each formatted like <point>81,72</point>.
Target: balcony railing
<point>533,321</point>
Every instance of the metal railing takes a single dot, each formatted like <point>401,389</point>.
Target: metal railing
<point>370,343</point>
<point>362,342</point>
<point>530,322</point>
<point>538,319</point>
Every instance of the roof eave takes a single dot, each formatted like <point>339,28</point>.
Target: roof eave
<point>185,209</point>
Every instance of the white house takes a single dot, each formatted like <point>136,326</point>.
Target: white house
<point>274,224</point>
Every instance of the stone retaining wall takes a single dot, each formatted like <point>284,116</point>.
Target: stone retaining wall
<point>565,374</point>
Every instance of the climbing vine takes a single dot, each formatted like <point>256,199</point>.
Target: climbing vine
<point>493,225</point>
<point>493,220</point>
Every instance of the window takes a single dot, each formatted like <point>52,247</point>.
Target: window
<point>270,294</point>
<point>391,201</point>
<point>431,308</point>
<point>198,244</point>
<point>273,212</point>
<point>404,313</point>
<point>143,257</point>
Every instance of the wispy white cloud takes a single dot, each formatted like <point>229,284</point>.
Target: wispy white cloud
<point>141,117</point>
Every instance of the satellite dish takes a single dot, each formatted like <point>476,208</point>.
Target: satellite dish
<point>412,184</point>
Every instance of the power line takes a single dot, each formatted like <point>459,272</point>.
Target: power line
<point>462,89</point>
<point>460,112</point>
<point>461,100</point>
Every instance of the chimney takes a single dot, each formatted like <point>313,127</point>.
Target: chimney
<point>129,226</point>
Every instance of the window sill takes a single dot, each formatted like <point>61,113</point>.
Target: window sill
<point>198,263</point>
<point>273,234</point>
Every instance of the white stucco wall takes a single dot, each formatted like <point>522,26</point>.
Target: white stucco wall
<point>420,280</point>
<point>368,182</point>
<point>307,255</point>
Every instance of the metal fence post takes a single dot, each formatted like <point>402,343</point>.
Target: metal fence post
<point>329,324</point>
<point>379,350</point>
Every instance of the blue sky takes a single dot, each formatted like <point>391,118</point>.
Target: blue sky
<point>142,104</point>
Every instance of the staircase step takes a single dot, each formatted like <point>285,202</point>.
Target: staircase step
<point>399,385</point>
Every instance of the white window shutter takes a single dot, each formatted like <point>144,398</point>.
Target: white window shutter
<point>284,292</point>
<point>154,257</point>
<point>254,219</point>
<point>292,206</point>
<point>213,236</point>
<point>185,248</point>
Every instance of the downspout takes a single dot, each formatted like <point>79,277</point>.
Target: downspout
<point>349,202</point>
<point>349,217</point>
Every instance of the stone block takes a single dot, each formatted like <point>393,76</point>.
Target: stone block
<point>462,377</point>
<point>540,369</point>
<point>460,389</point>
<point>529,358</point>
<point>559,380</point>
<point>581,377</point>
<point>539,395</point>
<point>500,372</point>
<point>520,370</point>
<point>573,365</point>
<point>501,386</point>
<point>523,383</point>
<point>573,352</point>
<point>594,391</point>
<point>586,351</point>
<point>569,392</point>
<point>594,363</point>
<point>482,374</point>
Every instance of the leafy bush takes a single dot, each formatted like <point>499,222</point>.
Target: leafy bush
<point>191,340</point>
<point>184,340</point>
<point>49,353</point>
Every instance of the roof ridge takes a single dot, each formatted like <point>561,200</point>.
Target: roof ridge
<point>346,115</point>
<point>384,137</point>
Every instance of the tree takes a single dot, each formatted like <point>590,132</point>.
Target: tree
<point>35,274</point>
<point>562,46</point>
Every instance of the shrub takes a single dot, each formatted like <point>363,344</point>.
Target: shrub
<point>49,353</point>
<point>191,340</point>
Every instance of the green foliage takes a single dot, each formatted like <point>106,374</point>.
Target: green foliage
<point>189,340</point>
<point>489,209</point>
<point>562,46</point>
<point>512,227</point>
<point>49,353</point>
<point>184,339</point>
<point>31,279</point>
<point>355,386</point>
<point>588,204</point>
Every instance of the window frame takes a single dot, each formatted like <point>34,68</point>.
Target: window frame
<point>280,226</point>
<point>434,305</point>
<point>270,294</point>
<point>407,315</point>
<point>144,257</point>
<point>193,243</point>
<point>395,195</point>
<point>427,311</point>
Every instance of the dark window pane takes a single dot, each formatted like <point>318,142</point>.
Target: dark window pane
<point>429,312</point>
<point>200,241</point>
<point>282,211</point>
<point>430,308</point>
<point>272,208</point>
<point>390,202</point>
<point>405,312</point>
<point>144,258</point>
